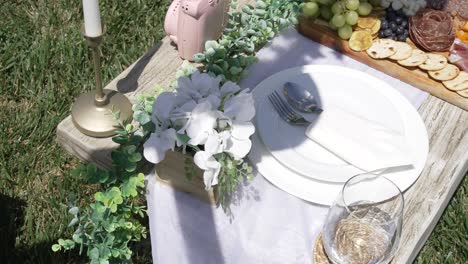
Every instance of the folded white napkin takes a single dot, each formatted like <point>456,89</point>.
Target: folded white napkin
<point>362,143</point>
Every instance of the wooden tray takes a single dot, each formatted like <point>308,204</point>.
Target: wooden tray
<point>414,76</point>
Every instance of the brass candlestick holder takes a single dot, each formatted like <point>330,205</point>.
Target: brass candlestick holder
<point>92,112</point>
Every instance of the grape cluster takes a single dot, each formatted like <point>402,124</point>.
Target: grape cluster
<point>394,26</point>
<point>341,14</point>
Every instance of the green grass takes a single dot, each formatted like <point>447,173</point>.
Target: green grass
<point>44,65</point>
<point>449,241</point>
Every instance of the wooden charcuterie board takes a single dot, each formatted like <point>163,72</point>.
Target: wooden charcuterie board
<point>411,75</point>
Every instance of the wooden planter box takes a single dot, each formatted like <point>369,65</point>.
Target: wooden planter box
<point>171,172</point>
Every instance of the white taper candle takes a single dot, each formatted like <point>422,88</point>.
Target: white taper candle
<point>92,18</point>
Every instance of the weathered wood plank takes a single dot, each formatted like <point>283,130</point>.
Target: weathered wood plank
<point>446,166</point>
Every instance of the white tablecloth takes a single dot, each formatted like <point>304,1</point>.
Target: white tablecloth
<point>268,225</point>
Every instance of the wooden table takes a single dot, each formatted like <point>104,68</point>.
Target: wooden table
<point>446,165</point>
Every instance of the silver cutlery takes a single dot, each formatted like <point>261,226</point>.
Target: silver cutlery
<point>285,111</point>
<point>300,98</point>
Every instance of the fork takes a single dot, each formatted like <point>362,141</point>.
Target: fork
<point>285,111</point>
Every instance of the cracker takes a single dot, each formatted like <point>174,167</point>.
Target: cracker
<point>360,40</point>
<point>367,22</point>
<point>418,57</point>
<point>403,51</point>
<point>381,49</point>
<point>375,29</point>
<point>434,62</point>
<point>463,93</point>
<point>459,83</point>
<point>448,73</point>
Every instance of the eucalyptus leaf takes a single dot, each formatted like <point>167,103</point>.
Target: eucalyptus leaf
<point>73,222</point>
<point>135,157</point>
<point>260,5</point>
<point>131,167</point>
<point>131,186</point>
<point>74,210</point>
<point>94,253</point>
<point>99,196</point>
<point>142,117</point>
<point>198,58</point>
<point>210,52</point>
<point>215,69</point>
<point>235,70</point>
<point>56,247</point>
<point>247,9</point>
<point>211,44</point>
<point>77,238</point>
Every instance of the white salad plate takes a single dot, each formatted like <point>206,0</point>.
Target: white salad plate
<point>286,157</point>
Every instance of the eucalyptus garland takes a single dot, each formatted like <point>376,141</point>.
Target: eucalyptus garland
<point>246,32</point>
<point>104,228</point>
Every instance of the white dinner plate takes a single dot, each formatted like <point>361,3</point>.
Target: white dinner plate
<point>306,169</point>
<point>333,87</point>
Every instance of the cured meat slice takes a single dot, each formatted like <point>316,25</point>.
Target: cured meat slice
<point>457,8</point>
<point>459,54</point>
<point>432,30</point>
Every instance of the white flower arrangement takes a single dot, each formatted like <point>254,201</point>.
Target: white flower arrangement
<point>211,118</point>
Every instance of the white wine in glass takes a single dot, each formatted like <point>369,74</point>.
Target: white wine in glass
<point>364,223</point>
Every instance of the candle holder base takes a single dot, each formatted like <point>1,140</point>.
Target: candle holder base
<point>98,121</point>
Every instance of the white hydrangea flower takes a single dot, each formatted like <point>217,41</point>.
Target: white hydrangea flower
<point>198,86</point>
<point>205,161</point>
<point>217,142</point>
<point>156,146</point>
<point>240,110</point>
<point>162,108</point>
<point>202,123</point>
<point>239,144</point>
<point>240,107</point>
<point>229,88</point>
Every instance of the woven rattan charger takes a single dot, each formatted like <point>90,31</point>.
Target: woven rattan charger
<point>320,256</point>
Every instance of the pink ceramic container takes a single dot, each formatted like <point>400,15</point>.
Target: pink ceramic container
<point>190,23</point>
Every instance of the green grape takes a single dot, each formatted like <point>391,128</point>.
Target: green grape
<point>310,9</point>
<point>326,13</point>
<point>331,25</point>
<point>364,9</point>
<point>338,20</point>
<point>345,31</point>
<point>325,2</point>
<point>351,17</point>
<point>337,8</point>
<point>352,4</point>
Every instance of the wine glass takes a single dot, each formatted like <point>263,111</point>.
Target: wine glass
<point>364,223</point>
